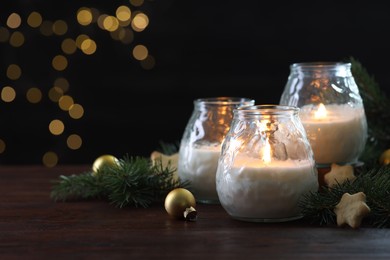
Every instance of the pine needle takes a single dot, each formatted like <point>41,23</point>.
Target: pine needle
<point>134,182</point>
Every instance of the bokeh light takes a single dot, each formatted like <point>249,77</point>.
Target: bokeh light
<point>23,29</point>
<point>14,20</point>
<point>74,141</point>
<point>50,159</point>
<point>8,94</point>
<point>34,19</point>
<point>65,102</point>
<point>140,52</point>
<point>84,16</point>
<point>76,111</point>
<point>34,95</point>
<point>14,72</point>
<point>56,127</point>
<point>16,39</point>
<point>59,62</point>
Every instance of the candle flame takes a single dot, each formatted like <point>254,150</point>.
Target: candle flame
<point>267,152</point>
<point>321,112</point>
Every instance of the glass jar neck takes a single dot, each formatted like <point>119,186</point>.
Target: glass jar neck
<point>322,69</point>
<point>266,112</point>
<point>223,102</point>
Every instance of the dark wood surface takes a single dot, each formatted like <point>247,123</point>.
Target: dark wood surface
<point>32,226</point>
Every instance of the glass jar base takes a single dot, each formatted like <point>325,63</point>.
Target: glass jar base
<point>268,220</point>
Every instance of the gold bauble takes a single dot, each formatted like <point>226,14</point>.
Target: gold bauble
<point>178,201</point>
<point>104,160</point>
<point>384,159</point>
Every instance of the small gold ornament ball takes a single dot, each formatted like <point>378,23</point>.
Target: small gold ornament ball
<point>104,160</point>
<point>178,200</point>
<point>384,159</point>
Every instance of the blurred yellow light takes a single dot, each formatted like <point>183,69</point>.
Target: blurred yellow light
<point>14,72</point>
<point>8,94</point>
<point>80,39</point>
<point>76,111</point>
<point>88,46</point>
<point>110,23</point>
<point>148,63</point>
<point>59,62</point>
<point>63,84</point>
<point>50,159</point>
<point>60,27</point>
<point>56,127</point>
<point>65,102</point>
<point>46,28</point>
<point>4,34</point>
<point>136,2</point>
<point>34,95</point>
<point>140,52</point>
<point>55,93</point>
<point>123,13</point>
<point>84,16</point>
<point>140,22</point>
<point>124,23</point>
<point>14,21</point>
<point>100,21</point>
<point>68,46</point>
<point>2,146</point>
<point>16,39</point>
<point>34,19</point>
<point>74,141</point>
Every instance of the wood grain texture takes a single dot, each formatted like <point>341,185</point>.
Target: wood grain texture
<point>32,226</point>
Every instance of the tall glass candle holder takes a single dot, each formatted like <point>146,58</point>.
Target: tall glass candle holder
<point>200,145</point>
<point>266,165</point>
<point>331,110</point>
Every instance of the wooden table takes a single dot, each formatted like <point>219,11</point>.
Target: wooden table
<point>32,226</point>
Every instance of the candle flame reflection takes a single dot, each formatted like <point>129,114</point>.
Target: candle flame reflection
<point>321,112</point>
<point>267,152</point>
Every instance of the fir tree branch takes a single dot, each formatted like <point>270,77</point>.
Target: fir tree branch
<point>375,183</point>
<point>75,187</point>
<point>134,182</point>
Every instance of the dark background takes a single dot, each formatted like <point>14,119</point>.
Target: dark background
<point>201,48</point>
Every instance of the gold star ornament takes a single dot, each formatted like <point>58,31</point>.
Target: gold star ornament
<point>339,174</point>
<point>351,209</point>
<point>166,160</point>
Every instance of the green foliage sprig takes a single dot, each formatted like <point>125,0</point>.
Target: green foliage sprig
<point>375,183</point>
<point>134,182</point>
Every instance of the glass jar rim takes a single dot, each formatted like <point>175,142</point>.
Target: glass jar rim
<point>319,64</point>
<point>267,109</point>
<point>224,101</point>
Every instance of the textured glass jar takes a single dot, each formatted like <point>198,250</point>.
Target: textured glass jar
<point>266,165</point>
<point>331,110</point>
<point>201,144</point>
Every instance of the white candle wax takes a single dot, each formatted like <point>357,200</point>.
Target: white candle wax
<point>198,165</point>
<point>338,137</point>
<point>252,189</point>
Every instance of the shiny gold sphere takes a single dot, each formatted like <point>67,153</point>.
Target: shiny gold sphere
<point>104,160</point>
<point>384,159</point>
<point>178,200</point>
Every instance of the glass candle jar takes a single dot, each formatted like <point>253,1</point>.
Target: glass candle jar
<point>266,165</point>
<point>332,111</point>
<point>200,145</point>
